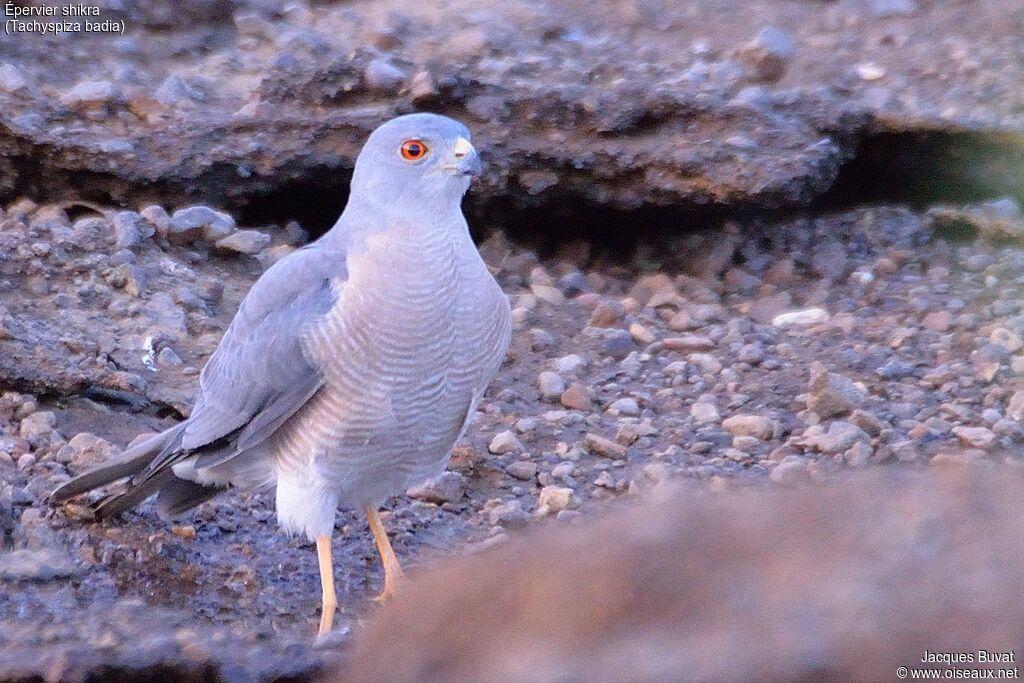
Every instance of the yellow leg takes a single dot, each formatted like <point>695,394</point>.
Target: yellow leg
<point>330,600</point>
<point>393,575</point>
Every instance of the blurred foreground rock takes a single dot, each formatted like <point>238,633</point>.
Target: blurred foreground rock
<point>845,582</point>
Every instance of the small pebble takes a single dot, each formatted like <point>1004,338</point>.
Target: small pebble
<point>975,437</point>
<point>523,470</point>
<point>576,398</point>
<point>641,334</point>
<point>552,500</point>
<point>11,78</point>
<point>624,406</point>
<point>869,71</point>
<point>810,316</point>
<point>89,93</point>
<point>757,426</point>
<point>249,242</point>
<point>505,442</point>
<point>604,447</point>
<point>768,55</point>
<point>449,487</point>
<point>570,364</point>
<point>551,385</point>
<point>705,413</point>
<point>791,471</point>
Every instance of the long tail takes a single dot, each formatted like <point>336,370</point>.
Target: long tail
<point>147,466</point>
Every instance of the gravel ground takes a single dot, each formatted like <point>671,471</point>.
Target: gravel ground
<point>767,353</point>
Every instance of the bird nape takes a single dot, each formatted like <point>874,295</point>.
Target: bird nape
<point>353,364</point>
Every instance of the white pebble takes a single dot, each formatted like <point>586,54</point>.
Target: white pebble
<point>809,316</point>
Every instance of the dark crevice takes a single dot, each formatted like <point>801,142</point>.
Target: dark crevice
<point>543,223</point>
<point>914,168</point>
<point>564,222</point>
<point>114,399</point>
<point>921,168</point>
<point>315,202</point>
<point>311,197</point>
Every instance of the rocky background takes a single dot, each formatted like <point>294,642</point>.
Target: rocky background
<point>262,106</point>
<point>765,246</point>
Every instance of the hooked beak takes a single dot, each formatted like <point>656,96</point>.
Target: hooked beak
<point>467,161</point>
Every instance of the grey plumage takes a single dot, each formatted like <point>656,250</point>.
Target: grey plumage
<point>178,496</point>
<point>353,365</point>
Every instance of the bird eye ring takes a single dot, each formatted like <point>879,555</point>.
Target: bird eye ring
<point>413,150</point>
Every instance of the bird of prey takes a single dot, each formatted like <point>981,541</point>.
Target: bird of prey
<point>352,366</point>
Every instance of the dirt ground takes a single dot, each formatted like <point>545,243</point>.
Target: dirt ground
<point>767,354</point>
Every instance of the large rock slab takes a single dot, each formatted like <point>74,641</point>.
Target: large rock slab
<point>637,103</point>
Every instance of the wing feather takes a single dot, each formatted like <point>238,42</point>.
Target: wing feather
<point>259,376</point>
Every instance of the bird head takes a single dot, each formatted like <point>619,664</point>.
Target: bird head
<point>416,158</point>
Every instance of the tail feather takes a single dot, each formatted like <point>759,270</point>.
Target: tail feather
<point>148,468</point>
<point>132,495</point>
<point>101,476</point>
<point>131,462</point>
<point>181,495</point>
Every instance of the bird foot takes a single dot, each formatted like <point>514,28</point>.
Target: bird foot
<point>333,638</point>
<point>326,620</point>
<point>391,589</point>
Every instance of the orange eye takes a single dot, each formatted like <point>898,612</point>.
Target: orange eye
<point>414,150</point>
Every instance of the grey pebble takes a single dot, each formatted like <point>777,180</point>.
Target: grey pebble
<point>895,368</point>
<point>830,395</point>
<point>449,487</point>
<point>619,344</point>
<point>382,76</point>
<point>551,385</point>
<point>89,93</point>
<point>249,242</point>
<point>158,218</point>
<point>168,357</point>
<point>199,222</point>
<point>524,470</point>
<point>504,442</point>
<point>791,471</point>
<point>840,437</point>
<point>173,90</point>
<point>624,406</point>
<point>509,514</point>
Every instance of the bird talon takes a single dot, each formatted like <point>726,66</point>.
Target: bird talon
<point>391,589</point>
